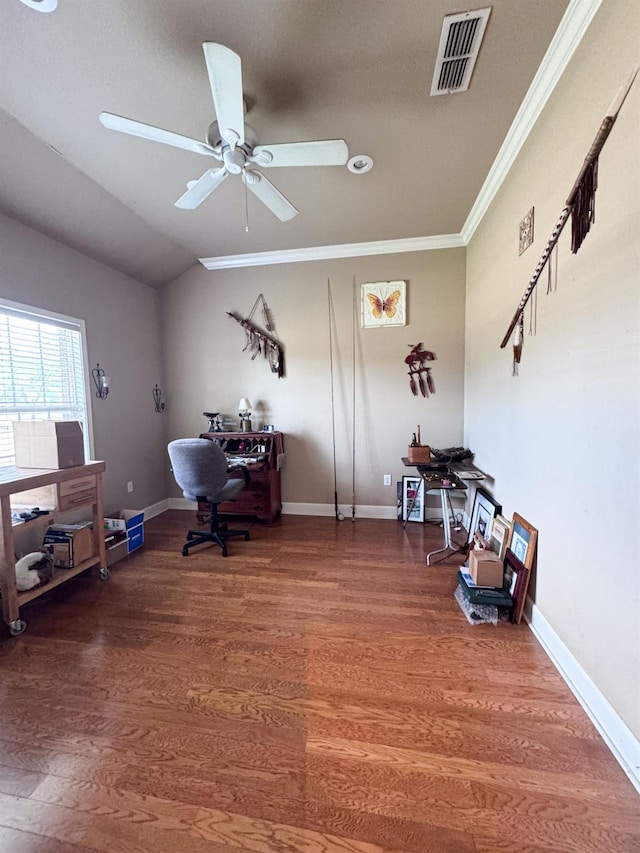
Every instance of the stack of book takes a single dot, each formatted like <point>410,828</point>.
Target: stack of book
<point>482,594</point>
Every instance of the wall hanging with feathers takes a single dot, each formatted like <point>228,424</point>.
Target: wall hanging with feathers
<point>419,374</point>
<point>580,205</point>
<point>260,342</point>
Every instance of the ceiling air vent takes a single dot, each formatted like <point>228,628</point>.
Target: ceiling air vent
<point>458,50</point>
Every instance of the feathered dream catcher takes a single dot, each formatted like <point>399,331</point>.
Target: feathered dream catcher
<point>383,304</point>
<point>419,373</point>
<point>260,342</point>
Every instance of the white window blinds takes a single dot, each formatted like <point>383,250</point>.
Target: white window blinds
<point>41,372</point>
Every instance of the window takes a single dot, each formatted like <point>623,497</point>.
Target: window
<point>42,371</point>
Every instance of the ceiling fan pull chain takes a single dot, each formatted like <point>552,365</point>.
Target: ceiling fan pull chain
<point>246,201</point>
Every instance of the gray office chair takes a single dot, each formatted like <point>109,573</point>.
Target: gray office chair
<point>200,469</point>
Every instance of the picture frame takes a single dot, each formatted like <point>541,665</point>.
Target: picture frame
<point>383,304</point>
<point>517,583</point>
<point>523,538</point>
<point>412,498</point>
<point>500,530</point>
<point>485,508</point>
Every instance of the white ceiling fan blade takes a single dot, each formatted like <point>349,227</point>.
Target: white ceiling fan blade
<point>200,189</point>
<point>225,78</point>
<point>156,134</point>
<point>326,152</point>
<point>269,195</point>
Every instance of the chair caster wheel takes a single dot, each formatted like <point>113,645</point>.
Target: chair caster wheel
<point>185,551</point>
<point>104,573</point>
<point>17,627</point>
<point>189,536</point>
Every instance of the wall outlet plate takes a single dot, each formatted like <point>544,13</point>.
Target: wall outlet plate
<point>387,479</point>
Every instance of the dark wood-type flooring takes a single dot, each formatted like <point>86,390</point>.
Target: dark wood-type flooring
<point>319,690</point>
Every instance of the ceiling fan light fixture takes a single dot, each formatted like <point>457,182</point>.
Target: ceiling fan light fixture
<point>360,164</point>
<point>41,5</point>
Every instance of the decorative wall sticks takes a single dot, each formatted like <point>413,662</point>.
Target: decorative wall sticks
<point>419,371</point>
<point>260,342</point>
<point>580,204</point>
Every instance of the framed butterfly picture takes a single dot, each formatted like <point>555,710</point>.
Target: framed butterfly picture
<point>384,304</point>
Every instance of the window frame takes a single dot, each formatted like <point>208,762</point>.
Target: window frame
<point>56,318</point>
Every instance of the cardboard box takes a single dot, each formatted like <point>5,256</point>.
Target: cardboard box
<point>69,544</point>
<point>48,444</point>
<point>131,521</point>
<point>486,569</point>
<point>116,549</point>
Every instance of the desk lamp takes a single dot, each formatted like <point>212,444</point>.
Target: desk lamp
<point>244,413</point>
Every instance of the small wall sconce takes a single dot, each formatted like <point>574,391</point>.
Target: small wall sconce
<point>157,399</point>
<point>101,381</point>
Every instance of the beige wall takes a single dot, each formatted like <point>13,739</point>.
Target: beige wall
<point>562,438</point>
<point>207,371</point>
<point>123,334</point>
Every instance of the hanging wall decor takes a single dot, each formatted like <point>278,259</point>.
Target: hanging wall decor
<point>526,232</point>
<point>419,374</point>
<point>580,205</point>
<point>383,304</point>
<point>260,342</point>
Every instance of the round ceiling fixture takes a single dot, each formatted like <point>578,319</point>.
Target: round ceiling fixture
<point>41,5</point>
<point>360,164</point>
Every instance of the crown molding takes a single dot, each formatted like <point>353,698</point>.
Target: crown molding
<point>568,36</point>
<point>341,250</point>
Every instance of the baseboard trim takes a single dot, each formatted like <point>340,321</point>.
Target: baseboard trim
<point>181,503</point>
<point>327,510</point>
<point>613,730</point>
<point>156,509</point>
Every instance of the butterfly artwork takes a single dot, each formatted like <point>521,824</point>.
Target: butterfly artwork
<point>383,304</point>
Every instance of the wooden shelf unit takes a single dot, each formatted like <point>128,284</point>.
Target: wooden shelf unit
<point>261,497</point>
<point>63,489</point>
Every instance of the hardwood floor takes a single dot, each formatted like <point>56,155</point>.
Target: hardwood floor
<point>318,690</point>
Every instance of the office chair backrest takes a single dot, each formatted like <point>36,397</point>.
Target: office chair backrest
<point>199,467</point>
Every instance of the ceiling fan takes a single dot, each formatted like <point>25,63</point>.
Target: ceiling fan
<point>233,143</point>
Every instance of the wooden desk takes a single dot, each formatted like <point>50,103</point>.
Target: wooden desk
<point>263,453</point>
<point>64,489</point>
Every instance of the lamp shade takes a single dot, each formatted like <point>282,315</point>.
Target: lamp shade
<point>244,405</point>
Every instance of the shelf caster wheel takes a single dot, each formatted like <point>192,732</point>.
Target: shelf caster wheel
<point>17,627</point>
<point>185,551</point>
<point>104,573</point>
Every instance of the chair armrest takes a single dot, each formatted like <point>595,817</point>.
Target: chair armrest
<point>244,469</point>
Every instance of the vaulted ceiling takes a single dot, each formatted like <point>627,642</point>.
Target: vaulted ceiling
<point>360,70</point>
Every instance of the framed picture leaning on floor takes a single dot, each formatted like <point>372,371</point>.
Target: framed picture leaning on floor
<point>485,508</point>
<point>412,498</point>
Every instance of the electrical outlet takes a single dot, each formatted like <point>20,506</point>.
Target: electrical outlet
<point>387,479</point>
<point>130,486</point>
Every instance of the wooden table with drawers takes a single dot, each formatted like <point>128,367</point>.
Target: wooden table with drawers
<point>61,490</point>
<point>263,454</point>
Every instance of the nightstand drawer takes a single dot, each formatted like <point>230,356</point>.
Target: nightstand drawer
<point>80,484</point>
<point>77,499</point>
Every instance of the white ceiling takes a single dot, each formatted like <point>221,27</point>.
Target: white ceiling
<point>359,70</point>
